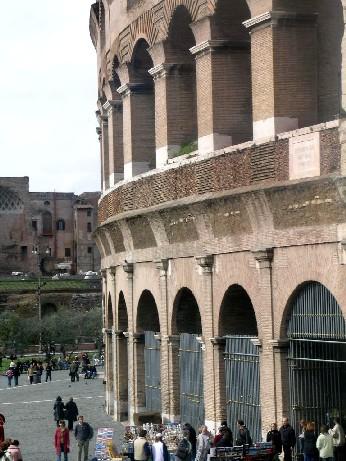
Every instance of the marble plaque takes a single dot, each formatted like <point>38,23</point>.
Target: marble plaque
<point>304,156</point>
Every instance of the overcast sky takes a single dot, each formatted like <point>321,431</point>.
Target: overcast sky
<point>48,93</point>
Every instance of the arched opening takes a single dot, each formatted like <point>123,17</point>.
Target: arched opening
<point>148,353</point>
<point>187,323</point>
<point>110,321</point>
<point>60,225</point>
<point>46,223</point>
<point>238,326</point>
<point>48,309</point>
<point>177,131</point>
<point>139,105</point>
<point>122,358</point>
<point>316,329</point>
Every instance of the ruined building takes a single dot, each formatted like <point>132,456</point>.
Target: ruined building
<point>58,225</point>
<point>222,219</point>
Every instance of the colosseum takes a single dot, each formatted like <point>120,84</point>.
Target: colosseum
<point>222,220</point>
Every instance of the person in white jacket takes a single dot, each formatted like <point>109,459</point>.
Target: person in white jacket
<point>338,435</point>
<point>324,444</point>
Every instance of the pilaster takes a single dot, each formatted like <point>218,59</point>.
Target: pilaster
<point>114,109</point>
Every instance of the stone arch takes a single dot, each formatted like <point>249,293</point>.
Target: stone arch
<point>115,80</point>
<point>122,315</point>
<point>228,19</point>
<point>237,315</point>
<point>186,316</point>
<point>147,313</point>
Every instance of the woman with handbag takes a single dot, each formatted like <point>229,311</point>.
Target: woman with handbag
<point>62,441</point>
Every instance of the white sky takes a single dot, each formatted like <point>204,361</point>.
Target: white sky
<point>48,93</point>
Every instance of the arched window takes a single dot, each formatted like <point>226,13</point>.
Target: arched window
<point>60,225</point>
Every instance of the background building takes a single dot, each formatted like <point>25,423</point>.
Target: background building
<point>60,225</point>
<point>222,219</point>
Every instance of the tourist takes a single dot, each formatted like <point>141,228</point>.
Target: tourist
<point>184,450</point>
<point>159,451</point>
<point>288,438</point>
<point>192,439</point>
<point>16,373</point>
<point>309,450</point>
<point>48,372</point>
<point>83,432</point>
<point>2,432</point>
<point>274,437</point>
<point>62,441</point>
<point>324,444</point>
<point>71,413</point>
<point>218,436</point>
<point>30,374</point>
<point>203,444</point>
<point>141,447</point>
<point>9,374</point>
<point>243,435</point>
<point>59,410</point>
<point>14,452</point>
<point>74,371</point>
<point>226,438</point>
<point>338,434</point>
<point>3,451</point>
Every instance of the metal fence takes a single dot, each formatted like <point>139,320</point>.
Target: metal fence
<point>243,384</point>
<point>316,357</point>
<point>152,372</point>
<point>191,380</point>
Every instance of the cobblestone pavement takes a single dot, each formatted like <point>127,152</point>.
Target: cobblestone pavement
<point>29,413</point>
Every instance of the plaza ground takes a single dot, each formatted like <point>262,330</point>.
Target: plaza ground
<point>29,412</point>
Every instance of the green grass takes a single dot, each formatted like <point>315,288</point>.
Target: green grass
<point>185,149</point>
<point>47,284</point>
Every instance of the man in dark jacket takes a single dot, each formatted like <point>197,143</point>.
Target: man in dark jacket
<point>274,437</point>
<point>243,435</point>
<point>288,439</point>
<point>83,433</point>
<point>192,439</point>
<point>71,413</point>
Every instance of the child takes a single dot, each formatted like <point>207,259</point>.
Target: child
<point>14,451</point>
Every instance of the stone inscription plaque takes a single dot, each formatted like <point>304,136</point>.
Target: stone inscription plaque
<point>304,156</point>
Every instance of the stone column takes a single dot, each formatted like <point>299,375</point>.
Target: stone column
<point>114,109</point>
<point>99,136</point>
<point>219,380</point>
<point>284,73</point>
<point>138,119</point>
<point>121,377</point>
<point>268,385</point>
<point>173,343</point>
<point>103,120</point>
<point>223,78</point>
<point>175,108</point>
<point>108,337</point>
<point>139,373</point>
<point>162,266</point>
<point>111,351</point>
<point>206,270</point>
<point>280,351</point>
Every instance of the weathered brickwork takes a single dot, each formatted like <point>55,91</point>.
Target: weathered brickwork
<point>245,200</point>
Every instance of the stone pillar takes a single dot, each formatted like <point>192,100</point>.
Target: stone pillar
<point>219,380</point>
<point>175,108</point>
<point>99,136</point>
<point>109,370</point>
<point>223,78</point>
<point>114,111</point>
<point>268,385</point>
<point>173,343</point>
<point>280,350</point>
<point>162,266</point>
<point>111,350</point>
<point>210,400</point>
<point>121,377</point>
<point>103,120</point>
<point>284,73</point>
<point>138,120</point>
<point>139,373</point>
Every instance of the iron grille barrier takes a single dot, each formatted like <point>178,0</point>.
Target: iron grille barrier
<point>152,372</point>
<point>316,357</point>
<point>243,384</point>
<point>191,380</point>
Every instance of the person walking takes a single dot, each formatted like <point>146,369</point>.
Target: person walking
<point>71,413</point>
<point>9,374</point>
<point>62,441</point>
<point>338,434</point>
<point>203,444</point>
<point>192,439</point>
<point>310,452</point>
<point>83,433</point>
<point>141,447</point>
<point>324,445</point>
<point>14,451</point>
<point>243,435</point>
<point>16,374</point>
<point>59,408</point>
<point>274,437</point>
<point>30,374</point>
<point>184,450</point>
<point>159,451</point>
<point>288,438</point>
<point>48,372</point>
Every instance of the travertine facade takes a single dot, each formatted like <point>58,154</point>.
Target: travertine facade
<point>59,224</point>
<point>226,237</point>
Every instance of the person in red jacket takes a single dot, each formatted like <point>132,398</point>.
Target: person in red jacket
<point>2,432</point>
<point>62,441</point>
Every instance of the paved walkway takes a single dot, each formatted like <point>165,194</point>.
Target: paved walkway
<point>29,413</point>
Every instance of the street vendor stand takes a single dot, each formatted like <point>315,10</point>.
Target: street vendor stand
<point>261,451</point>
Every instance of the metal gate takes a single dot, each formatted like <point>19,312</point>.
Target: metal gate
<point>152,372</point>
<point>243,384</point>
<point>191,380</point>
<point>316,357</point>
